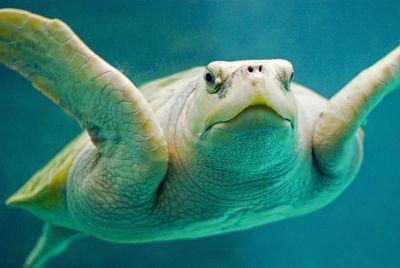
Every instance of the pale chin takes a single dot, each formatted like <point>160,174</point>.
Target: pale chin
<point>255,117</point>
<point>253,121</point>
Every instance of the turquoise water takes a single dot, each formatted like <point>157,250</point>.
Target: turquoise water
<point>328,43</point>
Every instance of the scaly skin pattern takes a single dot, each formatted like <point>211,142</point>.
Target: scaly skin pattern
<point>210,150</point>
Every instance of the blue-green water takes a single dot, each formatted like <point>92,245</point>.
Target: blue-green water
<point>328,43</point>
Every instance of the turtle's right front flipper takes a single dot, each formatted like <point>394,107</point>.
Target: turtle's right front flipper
<point>130,150</point>
<point>336,145</point>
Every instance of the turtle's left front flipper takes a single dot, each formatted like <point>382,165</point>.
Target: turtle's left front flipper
<point>337,135</point>
<point>130,156</point>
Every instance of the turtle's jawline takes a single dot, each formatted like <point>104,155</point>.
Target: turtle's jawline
<point>265,107</point>
<point>237,116</point>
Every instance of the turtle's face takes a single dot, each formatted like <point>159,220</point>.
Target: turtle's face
<point>244,103</point>
<point>236,98</point>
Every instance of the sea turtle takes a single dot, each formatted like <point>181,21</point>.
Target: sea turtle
<point>205,151</point>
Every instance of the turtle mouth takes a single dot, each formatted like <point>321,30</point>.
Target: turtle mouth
<point>253,117</point>
<point>255,107</point>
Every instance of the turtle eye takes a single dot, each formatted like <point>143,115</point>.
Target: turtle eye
<point>213,84</point>
<point>209,77</point>
<point>287,80</point>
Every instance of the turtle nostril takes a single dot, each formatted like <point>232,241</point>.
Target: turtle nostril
<point>250,69</point>
<point>260,68</point>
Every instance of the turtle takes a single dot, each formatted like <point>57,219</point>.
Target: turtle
<point>213,149</point>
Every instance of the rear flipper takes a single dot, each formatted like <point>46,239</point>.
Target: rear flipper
<point>53,241</point>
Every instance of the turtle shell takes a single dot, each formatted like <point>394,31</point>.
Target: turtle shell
<point>45,189</point>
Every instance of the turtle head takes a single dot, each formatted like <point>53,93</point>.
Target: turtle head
<point>244,108</point>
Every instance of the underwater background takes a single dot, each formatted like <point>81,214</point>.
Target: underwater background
<point>328,42</point>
